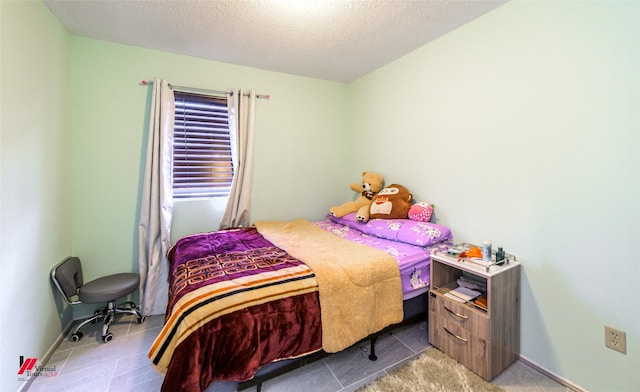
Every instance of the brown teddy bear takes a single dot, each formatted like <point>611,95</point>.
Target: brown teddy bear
<point>368,188</point>
<point>393,202</point>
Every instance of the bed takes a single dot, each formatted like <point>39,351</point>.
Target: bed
<point>243,301</point>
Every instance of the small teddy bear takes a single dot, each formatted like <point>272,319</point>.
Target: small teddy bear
<point>368,188</point>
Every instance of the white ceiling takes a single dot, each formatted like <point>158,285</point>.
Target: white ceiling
<point>337,40</point>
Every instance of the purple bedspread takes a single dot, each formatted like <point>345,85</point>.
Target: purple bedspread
<point>234,253</point>
<point>413,260</point>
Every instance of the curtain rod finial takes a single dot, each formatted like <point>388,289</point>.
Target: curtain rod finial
<point>144,83</point>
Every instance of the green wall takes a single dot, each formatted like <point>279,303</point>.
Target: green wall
<point>522,127</point>
<point>298,164</point>
<point>35,181</point>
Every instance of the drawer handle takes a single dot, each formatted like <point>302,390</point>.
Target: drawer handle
<point>462,316</point>
<point>455,336</point>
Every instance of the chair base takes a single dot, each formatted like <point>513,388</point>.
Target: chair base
<point>107,315</point>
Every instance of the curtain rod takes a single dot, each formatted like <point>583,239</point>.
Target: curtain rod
<point>200,90</point>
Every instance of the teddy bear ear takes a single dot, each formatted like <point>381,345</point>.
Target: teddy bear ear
<point>364,172</point>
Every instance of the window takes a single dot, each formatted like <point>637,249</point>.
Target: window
<point>202,165</point>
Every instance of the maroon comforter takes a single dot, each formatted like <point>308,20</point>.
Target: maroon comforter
<point>236,303</point>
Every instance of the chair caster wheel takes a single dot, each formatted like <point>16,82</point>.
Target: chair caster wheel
<point>107,338</point>
<point>141,319</point>
<point>76,336</point>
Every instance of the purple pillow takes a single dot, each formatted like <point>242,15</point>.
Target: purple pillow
<point>401,230</point>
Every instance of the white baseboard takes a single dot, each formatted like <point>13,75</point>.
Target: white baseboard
<point>551,375</point>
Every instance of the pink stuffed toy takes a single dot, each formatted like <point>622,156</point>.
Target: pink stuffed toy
<point>421,212</point>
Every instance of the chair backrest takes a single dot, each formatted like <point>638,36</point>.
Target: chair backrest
<point>67,276</point>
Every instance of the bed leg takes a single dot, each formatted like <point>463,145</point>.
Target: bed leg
<point>258,387</point>
<point>372,355</point>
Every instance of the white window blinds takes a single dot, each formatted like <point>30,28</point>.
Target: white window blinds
<point>202,165</point>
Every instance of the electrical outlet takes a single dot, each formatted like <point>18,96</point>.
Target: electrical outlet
<point>615,339</point>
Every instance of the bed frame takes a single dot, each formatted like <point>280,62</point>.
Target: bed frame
<point>415,309</point>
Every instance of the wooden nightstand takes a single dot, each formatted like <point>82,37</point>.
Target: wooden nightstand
<point>486,341</point>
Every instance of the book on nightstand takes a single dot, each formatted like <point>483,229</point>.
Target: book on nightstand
<point>462,294</point>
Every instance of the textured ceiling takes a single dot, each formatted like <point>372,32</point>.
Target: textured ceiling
<point>337,40</point>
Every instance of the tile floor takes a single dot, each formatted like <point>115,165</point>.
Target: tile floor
<point>122,364</point>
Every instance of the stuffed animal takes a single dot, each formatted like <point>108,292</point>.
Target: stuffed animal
<point>368,188</point>
<point>421,212</point>
<point>393,202</point>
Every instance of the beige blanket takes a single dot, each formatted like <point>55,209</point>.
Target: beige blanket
<point>359,286</point>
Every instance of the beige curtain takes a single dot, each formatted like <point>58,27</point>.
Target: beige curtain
<point>156,202</point>
<point>241,107</point>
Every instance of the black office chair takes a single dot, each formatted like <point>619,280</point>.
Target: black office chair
<point>67,276</point>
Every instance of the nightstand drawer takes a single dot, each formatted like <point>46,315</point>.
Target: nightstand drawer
<point>474,321</point>
<point>461,345</point>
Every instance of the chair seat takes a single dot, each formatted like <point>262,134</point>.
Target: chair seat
<point>109,288</point>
